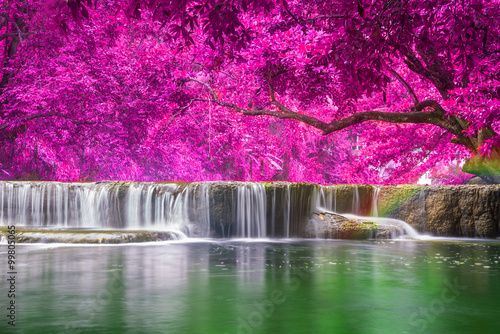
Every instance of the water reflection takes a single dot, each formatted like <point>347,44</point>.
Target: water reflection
<point>260,287</point>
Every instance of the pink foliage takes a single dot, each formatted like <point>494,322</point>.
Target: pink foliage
<point>135,90</point>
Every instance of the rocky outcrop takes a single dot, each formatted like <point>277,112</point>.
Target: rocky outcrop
<point>329,225</point>
<point>333,226</point>
<point>462,211</point>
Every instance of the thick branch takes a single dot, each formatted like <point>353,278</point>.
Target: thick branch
<point>436,117</point>
<point>436,78</point>
<point>33,116</point>
<point>278,114</point>
<point>429,103</point>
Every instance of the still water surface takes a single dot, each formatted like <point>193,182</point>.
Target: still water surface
<point>267,286</point>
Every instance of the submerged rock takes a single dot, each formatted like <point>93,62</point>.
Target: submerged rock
<point>90,236</point>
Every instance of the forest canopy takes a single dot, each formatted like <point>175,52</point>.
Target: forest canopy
<point>264,90</point>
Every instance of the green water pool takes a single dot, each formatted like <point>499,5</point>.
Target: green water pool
<point>266,286</point>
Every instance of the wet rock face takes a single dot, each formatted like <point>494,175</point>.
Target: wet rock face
<point>346,195</point>
<point>468,211</point>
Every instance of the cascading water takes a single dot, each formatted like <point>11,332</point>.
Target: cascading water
<point>325,197</point>
<point>286,212</point>
<point>273,213</point>
<point>237,209</point>
<point>171,206</point>
<point>397,228</point>
<point>374,206</point>
<point>54,204</point>
<point>251,211</point>
<point>106,206</point>
<point>324,202</point>
<point>356,205</point>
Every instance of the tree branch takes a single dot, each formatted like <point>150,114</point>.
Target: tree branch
<point>429,103</point>
<point>435,117</point>
<point>33,116</point>
<point>229,75</point>
<point>415,65</point>
<point>335,16</point>
<point>290,13</point>
<point>406,85</point>
<point>19,32</point>
<point>212,92</point>
<point>12,34</point>
<point>282,114</point>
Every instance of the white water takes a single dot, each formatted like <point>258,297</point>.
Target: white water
<point>356,205</point>
<point>286,214</point>
<point>325,197</point>
<point>403,227</point>
<point>374,207</point>
<point>55,204</point>
<point>251,211</point>
<point>157,206</point>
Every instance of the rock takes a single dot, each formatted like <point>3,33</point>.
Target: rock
<point>458,211</point>
<point>90,236</point>
<point>334,226</point>
<point>475,180</point>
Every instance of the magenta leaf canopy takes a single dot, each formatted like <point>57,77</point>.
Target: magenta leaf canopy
<point>307,91</point>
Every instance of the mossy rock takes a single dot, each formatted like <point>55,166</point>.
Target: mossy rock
<point>334,226</point>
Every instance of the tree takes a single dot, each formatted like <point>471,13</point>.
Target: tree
<point>100,98</point>
<point>416,81</point>
<point>354,52</point>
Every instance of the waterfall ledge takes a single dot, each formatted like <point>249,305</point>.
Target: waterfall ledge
<point>248,210</point>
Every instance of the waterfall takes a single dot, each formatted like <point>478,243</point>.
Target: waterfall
<point>273,213</point>
<point>171,206</point>
<point>251,211</point>
<point>40,204</point>
<point>325,197</point>
<point>211,209</point>
<point>356,206</point>
<point>335,199</point>
<point>286,213</point>
<point>107,206</point>
<point>374,206</point>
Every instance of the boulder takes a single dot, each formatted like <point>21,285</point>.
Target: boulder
<point>329,225</point>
